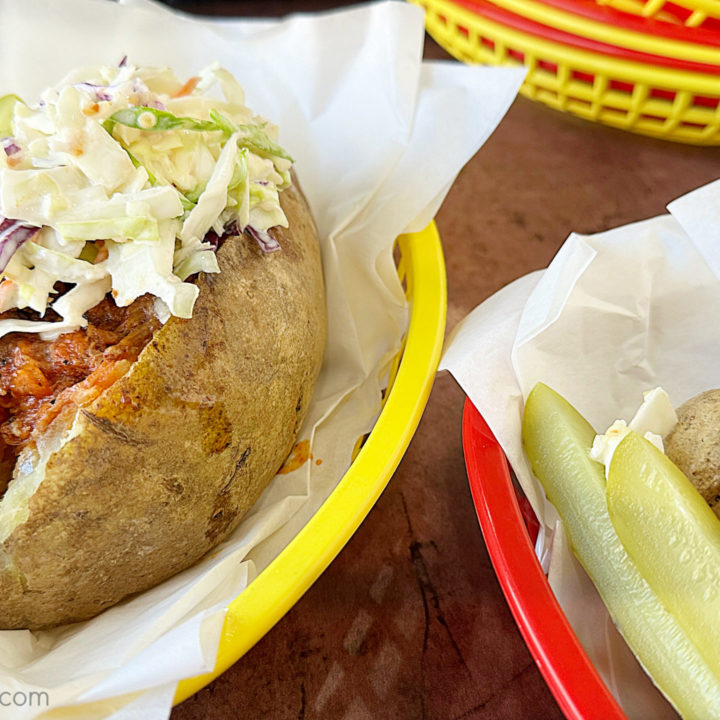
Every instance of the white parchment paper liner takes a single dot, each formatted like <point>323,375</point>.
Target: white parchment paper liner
<point>378,137</point>
<point>614,314</point>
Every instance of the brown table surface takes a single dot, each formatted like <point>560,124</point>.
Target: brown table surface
<point>409,621</point>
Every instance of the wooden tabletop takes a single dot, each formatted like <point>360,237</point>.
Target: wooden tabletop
<point>409,621</point>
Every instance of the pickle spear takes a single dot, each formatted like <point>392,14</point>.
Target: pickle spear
<point>557,440</point>
<point>672,535</point>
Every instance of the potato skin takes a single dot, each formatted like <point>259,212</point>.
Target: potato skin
<point>170,457</point>
<point>694,445</point>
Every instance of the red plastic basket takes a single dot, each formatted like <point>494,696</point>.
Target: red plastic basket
<point>569,673</point>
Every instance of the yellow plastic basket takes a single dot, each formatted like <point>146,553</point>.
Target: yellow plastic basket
<point>604,32</point>
<point>662,102</point>
<point>697,12</point>
<point>421,268</point>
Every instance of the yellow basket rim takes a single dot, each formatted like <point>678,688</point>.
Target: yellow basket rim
<point>666,103</point>
<point>639,8</point>
<point>584,60</point>
<point>579,25</point>
<point>699,10</point>
<point>277,588</point>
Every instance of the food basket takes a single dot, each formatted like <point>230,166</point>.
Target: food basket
<point>661,24</point>
<point>654,91</point>
<point>691,13</point>
<point>421,269</point>
<point>509,528</point>
<point>690,48</point>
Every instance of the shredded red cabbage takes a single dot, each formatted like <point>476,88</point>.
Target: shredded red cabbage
<point>9,146</point>
<point>13,233</point>
<point>264,239</point>
<point>100,92</point>
<point>217,240</point>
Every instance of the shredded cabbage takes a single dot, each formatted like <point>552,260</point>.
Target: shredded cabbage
<point>133,161</point>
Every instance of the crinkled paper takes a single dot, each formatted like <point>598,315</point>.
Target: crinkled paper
<point>613,315</point>
<point>378,137</point>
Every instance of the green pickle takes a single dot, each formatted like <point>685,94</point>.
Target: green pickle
<point>672,535</point>
<point>557,439</point>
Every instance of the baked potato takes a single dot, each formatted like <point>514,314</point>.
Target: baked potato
<point>136,471</point>
<point>694,444</point>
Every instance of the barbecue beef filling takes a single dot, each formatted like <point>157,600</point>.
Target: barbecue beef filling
<point>40,378</point>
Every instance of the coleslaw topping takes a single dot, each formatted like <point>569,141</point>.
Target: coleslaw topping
<point>112,182</point>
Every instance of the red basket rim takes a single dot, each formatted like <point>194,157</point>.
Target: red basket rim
<point>518,22</point>
<point>569,673</point>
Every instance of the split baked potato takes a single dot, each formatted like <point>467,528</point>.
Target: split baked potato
<point>128,485</point>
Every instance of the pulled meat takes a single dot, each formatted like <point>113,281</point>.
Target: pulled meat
<point>39,378</point>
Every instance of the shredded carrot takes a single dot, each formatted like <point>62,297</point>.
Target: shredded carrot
<point>187,88</point>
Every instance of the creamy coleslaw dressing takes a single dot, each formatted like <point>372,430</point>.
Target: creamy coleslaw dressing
<point>146,164</point>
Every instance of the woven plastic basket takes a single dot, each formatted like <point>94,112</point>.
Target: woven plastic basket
<point>510,527</point>
<point>421,268</point>
<point>685,45</point>
<point>691,13</point>
<point>663,102</point>
<point>662,24</point>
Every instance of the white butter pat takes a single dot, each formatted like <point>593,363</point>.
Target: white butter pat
<point>654,419</point>
<point>656,414</point>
